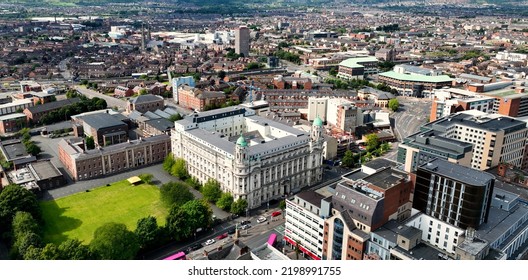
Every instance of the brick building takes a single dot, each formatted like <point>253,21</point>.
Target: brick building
<point>122,91</point>
<point>145,103</point>
<point>12,123</point>
<point>35,113</point>
<point>106,129</point>
<point>281,82</point>
<point>87,164</point>
<point>198,99</point>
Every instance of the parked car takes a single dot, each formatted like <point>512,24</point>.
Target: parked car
<point>276,213</point>
<point>194,247</point>
<point>246,222</point>
<point>261,219</point>
<point>231,230</point>
<point>209,242</point>
<point>245,226</point>
<point>222,236</point>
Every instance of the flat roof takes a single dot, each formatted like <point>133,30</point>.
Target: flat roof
<point>12,116</point>
<point>379,163</point>
<point>458,172</point>
<point>386,178</point>
<point>312,197</point>
<point>416,78</point>
<point>15,150</point>
<point>483,121</point>
<point>353,62</point>
<point>44,170</point>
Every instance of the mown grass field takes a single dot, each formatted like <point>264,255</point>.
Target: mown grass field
<point>79,215</point>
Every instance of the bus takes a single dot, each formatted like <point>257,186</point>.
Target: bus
<point>177,256</point>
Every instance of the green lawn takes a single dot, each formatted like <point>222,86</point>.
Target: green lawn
<point>79,215</point>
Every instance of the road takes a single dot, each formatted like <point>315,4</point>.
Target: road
<point>110,101</point>
<point>66,74</point>
<point>410,116</point>
<point>253,237</point>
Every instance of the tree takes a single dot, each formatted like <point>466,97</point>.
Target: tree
<point>179,169</point>
<point>225,201</point>
<point>221,74</point>
<point>73,249</point>
<point>146,178</point>
<point>193,182</point>
<point>385,147</point>
<point>394,104</point>
<point>33,149</point>
<point>23,243</point>
<point>14,198</point>
<point>199,214</point>
<point>49,252</point>
<point>90,143</point>
<point>333,71</point>
<point>113,241</point>
<point>372,141</point>
<point>211,190</point>
<point>297,248</point>
<point>175,193</point>
<point>168,163</point>
<point>143,91</point>
<point>23,223</point>
<point>177,224</point>
<point>175,117</point>
<point>282,204</point>
<point>348,159</point>
<point>147,231</point>
<point>239,206</point>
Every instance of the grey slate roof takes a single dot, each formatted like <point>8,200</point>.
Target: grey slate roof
<point>52,105</point>
<point>101,120</point>
<point>160,124</point>
<point>145,99</point>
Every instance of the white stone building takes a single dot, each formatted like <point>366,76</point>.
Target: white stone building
<point>252,157</point>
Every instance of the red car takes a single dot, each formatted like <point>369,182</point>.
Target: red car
<point>222,236</point>
<point>276,213</point>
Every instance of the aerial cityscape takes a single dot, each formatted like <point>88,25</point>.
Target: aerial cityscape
<point>284,130</point>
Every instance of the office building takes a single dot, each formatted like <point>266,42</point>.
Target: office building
<point>242,41</point>
<point>85,164</point>
<point>493,139</point>
<point>357,67</point>
<point>458,195</point>
<point>305,222</point>
<point>252,157</point>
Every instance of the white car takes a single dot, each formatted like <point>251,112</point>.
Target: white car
<point>244,227</point>
<point>209,242</point>
<point>261,219</point>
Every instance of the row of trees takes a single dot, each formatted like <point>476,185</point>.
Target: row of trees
<point>211,190</point>
<point>31,147</point>
<point>288,56</point>
<point>21,228</point>
<point>212,193</point>
<point>64,113</point>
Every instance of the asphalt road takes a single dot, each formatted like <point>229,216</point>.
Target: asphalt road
<point>410,116</point>
<point>253,237</point>
<point>110,101</point>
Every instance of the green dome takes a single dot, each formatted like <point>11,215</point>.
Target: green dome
<point>242,141</point>
<point>318,122</point>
